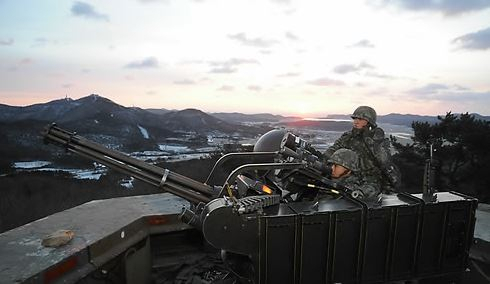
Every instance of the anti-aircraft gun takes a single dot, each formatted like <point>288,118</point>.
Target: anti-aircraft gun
<point>264,213</point>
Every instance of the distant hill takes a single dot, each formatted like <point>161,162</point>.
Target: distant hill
<point>481,117</point>
<point>129,127</point>
<point>199,121</point>
<point>99,119</point>
<point>159,110</point>
<point>94,114</point>
<point>406,119</point>
<point>106,122</point>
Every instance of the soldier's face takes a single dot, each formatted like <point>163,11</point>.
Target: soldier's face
<point>339,171</point>
<point>359,123</point>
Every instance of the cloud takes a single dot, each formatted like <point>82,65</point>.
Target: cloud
<point>291,36</point>
<point>281,1</point>
<point>429,89</point>
<point>184,82</point>
<point>254,42</point>
<point>255,88</point>
<point>82,9</point>
<point>447,7</point>
<point>474,41</point>
<point>460,88</point>
<point>363,44</point>
<point>345,68</point>
<point>378,75</point>
<point>229,66</point>
<point>149,62</point>
<point>266,51</point>
<point>226,88</point>
<point>348,68</point>
<point>9,41</point>
<point>42,41</point>
<point>363,68</point>
<point>326,82</point>
<point>443,92</point>
<point>234,61</point>
<point>223,70</point>
<point>26,61</point>
<point>289,74</point>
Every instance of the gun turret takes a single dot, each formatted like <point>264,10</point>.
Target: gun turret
<point>250,212</point>
<point>179,185</point>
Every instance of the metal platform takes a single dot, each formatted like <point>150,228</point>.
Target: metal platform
<point>103,229</point>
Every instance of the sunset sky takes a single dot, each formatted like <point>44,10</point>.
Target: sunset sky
<point>292,57</point>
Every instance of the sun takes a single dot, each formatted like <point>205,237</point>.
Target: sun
<point>301,109</point>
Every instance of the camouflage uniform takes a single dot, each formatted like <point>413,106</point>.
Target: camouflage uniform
<point>367,190</point>
<point>350,160</point>
<point>373,149</point>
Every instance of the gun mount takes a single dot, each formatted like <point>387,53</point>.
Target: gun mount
<point>263,211</point>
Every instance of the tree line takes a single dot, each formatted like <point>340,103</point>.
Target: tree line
<point>461,150</point>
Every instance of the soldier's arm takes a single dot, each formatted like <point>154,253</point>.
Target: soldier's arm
<point>370,190</point>
<point>381,151</point>
<point>379,146</point>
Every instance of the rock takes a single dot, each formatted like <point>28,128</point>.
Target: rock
<point>58,238</point>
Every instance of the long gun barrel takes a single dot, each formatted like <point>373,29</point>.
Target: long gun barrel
<point>429,185</point>
<point>179,185</point>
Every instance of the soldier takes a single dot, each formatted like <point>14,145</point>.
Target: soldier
<point>369,142</point>
<point>345,168</point>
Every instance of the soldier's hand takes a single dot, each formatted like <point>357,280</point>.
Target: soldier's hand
<point>369,141</point>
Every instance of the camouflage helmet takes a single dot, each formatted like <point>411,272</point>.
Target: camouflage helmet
<point>367,113</point>
<point>346,158</point>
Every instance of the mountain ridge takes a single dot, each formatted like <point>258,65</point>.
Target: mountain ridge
<point>94,107</point>
<point>119,127</point>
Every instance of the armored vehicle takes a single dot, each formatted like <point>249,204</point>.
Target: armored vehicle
<point>267,216</point>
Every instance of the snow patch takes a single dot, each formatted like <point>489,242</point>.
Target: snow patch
<point>127,183</point>
<point>90,174</point>
<point>174,148</point>
<point>187,157</point>
<point>144,132</point>
<point>31,165</point>
<point>86,174</point>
